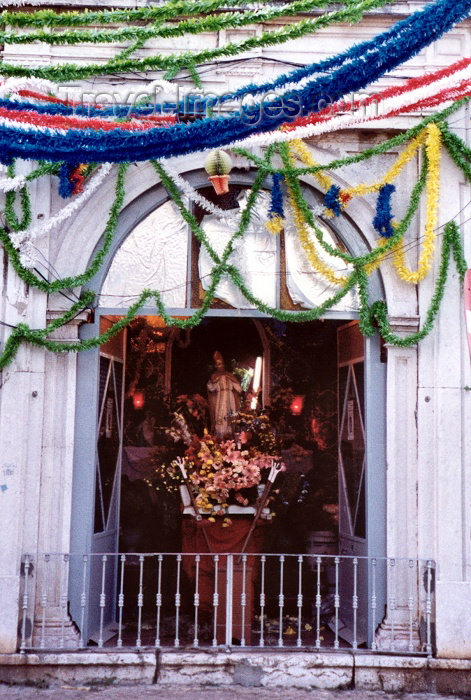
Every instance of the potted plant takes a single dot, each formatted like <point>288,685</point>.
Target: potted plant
<point>218,166</point>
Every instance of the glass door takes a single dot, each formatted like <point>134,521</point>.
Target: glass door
<point>109,446</point>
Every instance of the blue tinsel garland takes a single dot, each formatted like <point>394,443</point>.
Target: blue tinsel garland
<point>369,61</point>
<point>66,185</point>
<point>276,205</point>
<point>332,200</point>
<point>420,21</point>
<point>384,217</point>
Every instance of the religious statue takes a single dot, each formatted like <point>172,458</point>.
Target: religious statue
<point>224,392</point>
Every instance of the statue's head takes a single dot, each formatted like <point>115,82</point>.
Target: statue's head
<point>219,361</point>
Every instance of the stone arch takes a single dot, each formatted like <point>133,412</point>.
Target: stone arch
<point>144,193</point>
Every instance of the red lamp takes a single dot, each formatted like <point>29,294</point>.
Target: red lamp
<point>138,399</point>
<point>297,405</point>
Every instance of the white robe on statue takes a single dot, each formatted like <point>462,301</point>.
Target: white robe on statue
<point>223,391</point>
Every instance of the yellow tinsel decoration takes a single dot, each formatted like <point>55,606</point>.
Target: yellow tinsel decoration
<point>299,149</point>
<point>307,244</point>
<point>275,224</point>
<point>433,151</point>
<point>407,154</point>
<point>431,137</point>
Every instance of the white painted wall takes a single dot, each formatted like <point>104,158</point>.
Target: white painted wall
<point>429,410</point>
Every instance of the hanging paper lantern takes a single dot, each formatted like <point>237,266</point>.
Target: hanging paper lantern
<point>218,165</point>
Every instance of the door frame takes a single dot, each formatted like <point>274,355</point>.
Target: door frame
<point>83,486</point>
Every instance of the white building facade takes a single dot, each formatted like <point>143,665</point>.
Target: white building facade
<point>422,457</point>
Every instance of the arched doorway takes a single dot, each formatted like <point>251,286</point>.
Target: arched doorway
<point>154,248</point>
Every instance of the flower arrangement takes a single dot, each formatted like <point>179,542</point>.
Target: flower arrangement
<point>255,428</point>
<point>219,471</point>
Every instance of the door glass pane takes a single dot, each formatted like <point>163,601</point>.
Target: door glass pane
<point>352,442</point>
<point>360,510</point>
<point>108,437</point>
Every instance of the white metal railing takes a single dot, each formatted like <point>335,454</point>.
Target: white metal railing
<point>287,601</point>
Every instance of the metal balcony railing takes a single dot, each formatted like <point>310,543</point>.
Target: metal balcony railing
<point>180,600</point>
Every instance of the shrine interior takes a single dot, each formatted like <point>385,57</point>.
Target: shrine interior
<point>166,371</point>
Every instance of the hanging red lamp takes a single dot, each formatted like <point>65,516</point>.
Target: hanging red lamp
<point>297,405</point>
<point>138,399</point>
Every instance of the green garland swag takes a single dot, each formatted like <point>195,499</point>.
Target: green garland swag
<point>373,316</point>
<point>74,281</point>
<point>378,311</point>
<point>170,10</point>
<point>399,140</point>
<point>174,63</point>
<point>210,23</point>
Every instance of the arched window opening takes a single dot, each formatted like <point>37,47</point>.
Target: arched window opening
<point>161,253</point>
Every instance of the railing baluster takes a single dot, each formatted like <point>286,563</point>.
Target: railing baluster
<point>411,604</point>
<point>121,602</point>
<point>262,601</point>
<point>428,610</point>
<point>196,599</point>
<point>177,601</point>
<point>336,603</point>
<point>355,602</point>
<point>158,600</point>
<point>24,605</point>
<point>281,602</point>
<point>140,601</point>
<point>373,603</point>
<point>104,559</point>
<point>63,598</point>
<point>83,599</point>
<point>44,600</point>
<point>215,600</point>
<point>318,602</point>
<point>243,599</point>
<point>405,579</point>
<point>229,597</point>
<point>300,599</point>
<point>392,600</point>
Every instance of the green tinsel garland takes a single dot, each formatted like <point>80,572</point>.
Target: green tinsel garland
<point>372,316</point>
<point>384,147</point>
<point>170,10</point>
<point>210,23</point>
<point>175,63</point>
<point>11,218</point>
<point>76,281</point>
<point>457,149</point>
<point>379,311</point>
<point>372,256</point>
